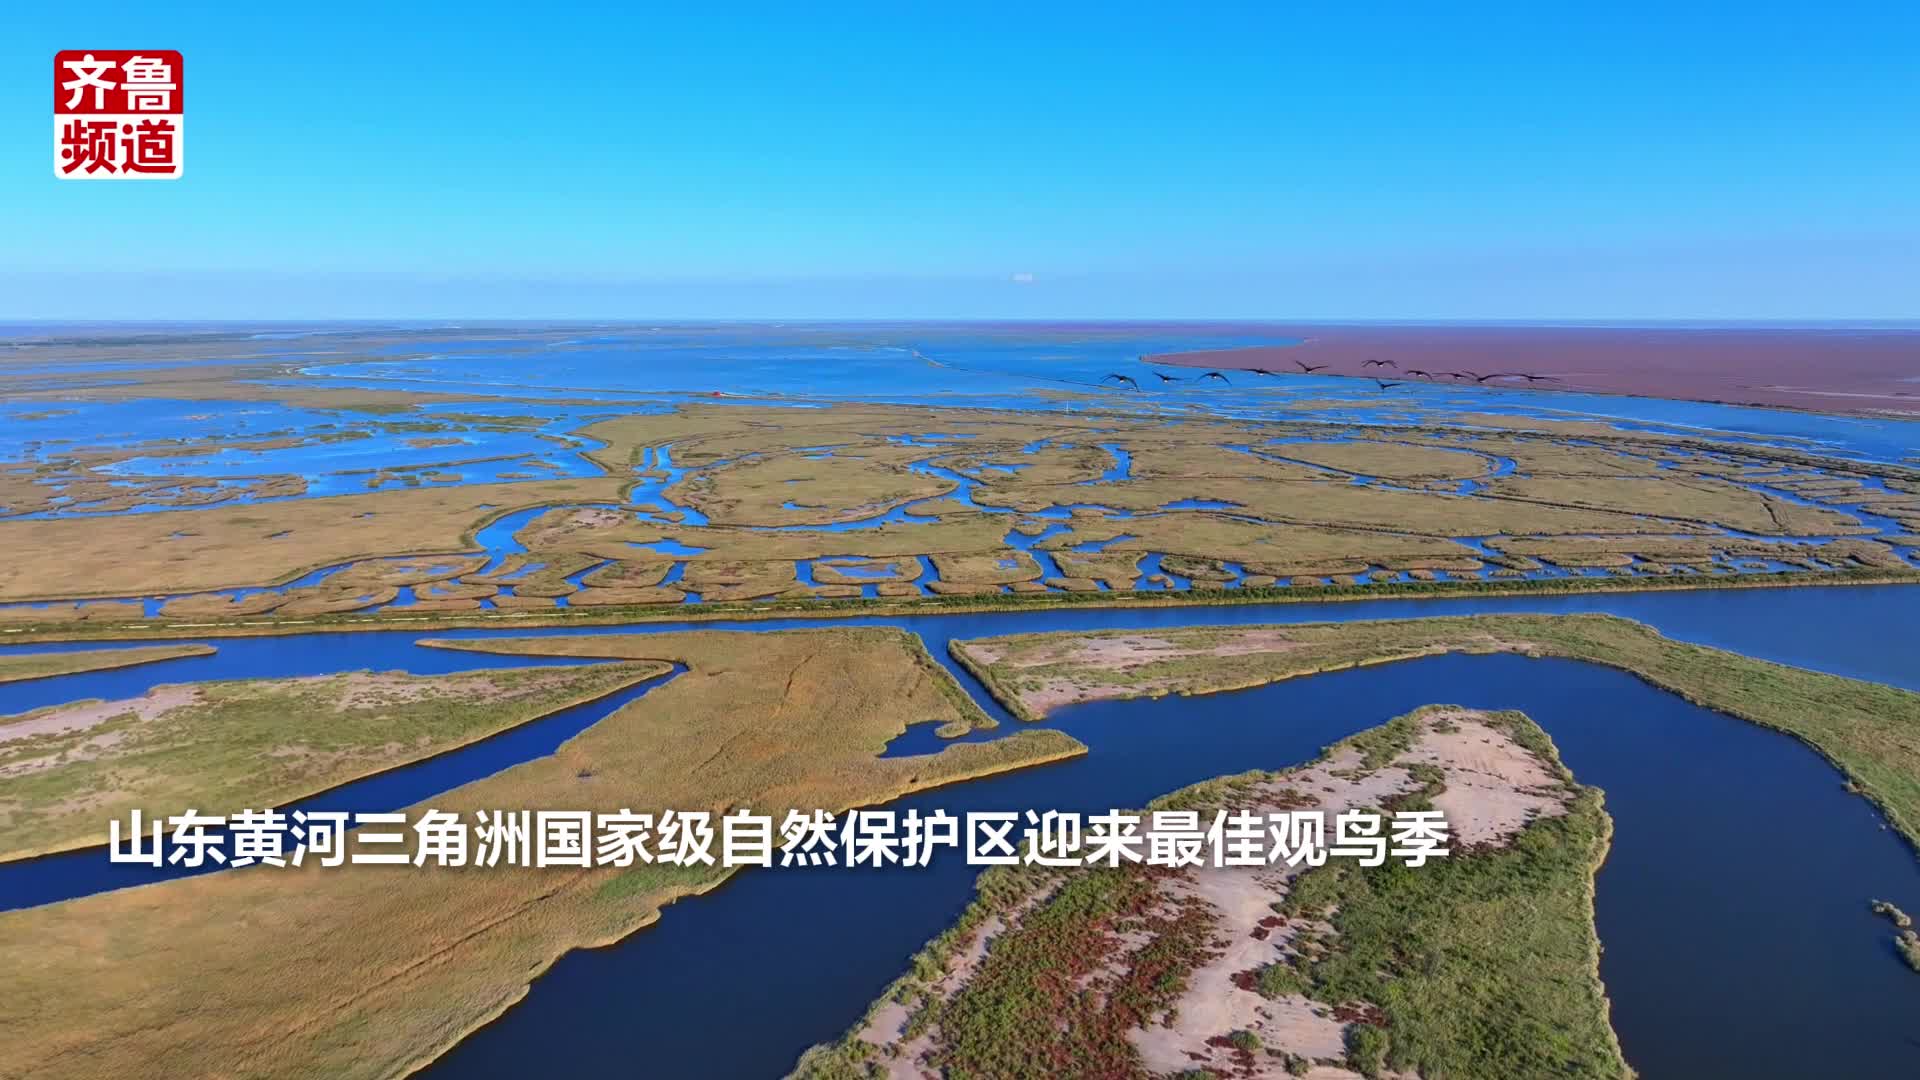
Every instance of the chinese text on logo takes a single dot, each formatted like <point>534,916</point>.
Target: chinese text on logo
<point>117,114</point>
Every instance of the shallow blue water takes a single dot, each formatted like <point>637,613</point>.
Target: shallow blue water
<point>1121,469</point>
<point>856,570</point>
<point>481,458</point>
<point>339,452</point>
<point>930,364</point>
<point>859,362</point>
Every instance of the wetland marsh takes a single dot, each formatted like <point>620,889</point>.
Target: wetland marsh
<point>1663,763</point>
<point>270,467</point>
<point>702,499</point>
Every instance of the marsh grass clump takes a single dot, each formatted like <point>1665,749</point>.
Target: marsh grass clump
<point>1909,945</point>
<point>1887,908</point>
<point>1366,1049</point>
<point>1279,980</point>
<point>1908,939</point>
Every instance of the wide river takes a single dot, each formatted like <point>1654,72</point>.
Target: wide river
<point>1732,907</point>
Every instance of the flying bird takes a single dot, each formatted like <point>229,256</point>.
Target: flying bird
<point>1380,363</point>
<point>1534,378</point>
<point>1123,379</point>
<point>1308,368</point>
<point>1260,371</point>
<point>1422,374</point>
<point>1385,385</point>
<point>1216,375</point>
<point>1164,377</point>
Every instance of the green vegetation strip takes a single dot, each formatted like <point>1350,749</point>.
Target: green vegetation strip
<point>216,747</point>
<point>20,666</point>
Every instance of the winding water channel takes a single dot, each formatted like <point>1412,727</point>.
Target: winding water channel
<point>649,500</point>
<point>1732,908</point>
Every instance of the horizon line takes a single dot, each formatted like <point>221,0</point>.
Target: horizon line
<point>456,321</point>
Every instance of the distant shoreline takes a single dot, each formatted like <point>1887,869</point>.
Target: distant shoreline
<point>1870,370</point>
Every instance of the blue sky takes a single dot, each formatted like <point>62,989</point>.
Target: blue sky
<point>910,160</point>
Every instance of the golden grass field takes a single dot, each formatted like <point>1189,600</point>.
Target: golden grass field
<point>188,550</point>
<point>1395,461</point>
<point>367,971</point>
<point>1292,508</point>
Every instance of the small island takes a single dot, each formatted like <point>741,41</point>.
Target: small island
<point>1481,963</point>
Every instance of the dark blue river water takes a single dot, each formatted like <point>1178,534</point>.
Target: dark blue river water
<point>1732,908</point>
<point>1733,905</point>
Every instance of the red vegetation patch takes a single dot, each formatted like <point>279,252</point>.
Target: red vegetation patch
<point>1829,370</point>
<point>1361,1012</point>
<point>1059,990</point>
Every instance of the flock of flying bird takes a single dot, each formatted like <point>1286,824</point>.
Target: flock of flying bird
<point>1308,369</point>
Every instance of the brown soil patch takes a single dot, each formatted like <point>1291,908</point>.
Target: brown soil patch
<point>1119,651</point>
